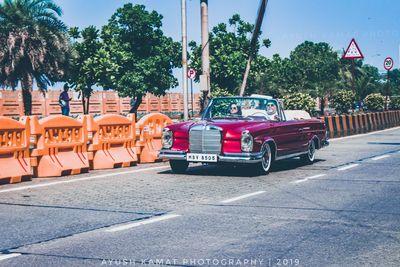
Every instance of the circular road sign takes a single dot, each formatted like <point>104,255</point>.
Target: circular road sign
<point>388,63</point>
<point>191,73</point>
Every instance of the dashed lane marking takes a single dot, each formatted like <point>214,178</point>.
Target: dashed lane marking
<point>380,157</point>
<point>9,256</point>
<point>348,167</point>
<point>143,222</point>
<point>308,178</point>
<point>74,179</point>
<point>242,197</point>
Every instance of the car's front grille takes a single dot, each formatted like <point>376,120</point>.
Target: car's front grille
<point>205,139</point>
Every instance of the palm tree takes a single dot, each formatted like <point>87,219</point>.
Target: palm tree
<point>33,46</point>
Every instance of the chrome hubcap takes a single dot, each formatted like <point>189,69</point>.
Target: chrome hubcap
<point>311,151</point>
<point>266,160</point>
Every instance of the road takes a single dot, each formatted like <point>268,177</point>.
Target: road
<point>344,210</point>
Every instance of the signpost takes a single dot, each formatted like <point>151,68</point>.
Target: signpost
<point>191,74</point>
<point>388,65</point>
<point>353,52</point>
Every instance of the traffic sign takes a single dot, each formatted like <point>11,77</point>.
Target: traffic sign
<point>191,74</point>
<point>353,51</point>
<point>388,63</point>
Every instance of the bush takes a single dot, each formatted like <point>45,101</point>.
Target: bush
<point>299,101</point>
<point>395,102</point>
<point>375,102</point>
<point>343,101</point>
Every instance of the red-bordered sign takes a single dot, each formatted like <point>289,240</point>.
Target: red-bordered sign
<point>388,63</point>
<point>191,73</point>
<point>353,51</point>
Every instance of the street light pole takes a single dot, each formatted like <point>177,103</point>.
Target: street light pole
<point>184,63</point>
<point>205,50</point>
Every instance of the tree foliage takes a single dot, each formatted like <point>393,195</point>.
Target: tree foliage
<point>82,74</point>
<point>33,46</point>
<point>136,57</point>
<point>299,101</point>
<point>229,51</point>
<point>375,102</point>
<point>343,100</point>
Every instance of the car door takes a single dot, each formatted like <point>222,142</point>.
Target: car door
<point>288,135</point>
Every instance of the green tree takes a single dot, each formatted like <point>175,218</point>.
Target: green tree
<point>314,69</point>
<point>276,80</point>
<point>33,46</point>
<point>301,101</point>
<point>136,57</point>
<point>375,102</point>
<point>82,73</point>
<point>343,100</point>
<point>229,51</point>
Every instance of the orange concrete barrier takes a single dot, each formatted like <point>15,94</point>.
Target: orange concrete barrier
<point>329,124</point>
<point>14,150</point>
<point>351,126</point>
<point>344,124</point>
<point>113,139</point>
<point>150,130</point>
<point>59,146</point>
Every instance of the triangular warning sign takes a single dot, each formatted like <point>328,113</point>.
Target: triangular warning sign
<point>353,51</point>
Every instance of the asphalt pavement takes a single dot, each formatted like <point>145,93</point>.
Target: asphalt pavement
<point>344,210</point>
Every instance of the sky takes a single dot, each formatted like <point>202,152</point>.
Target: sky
<point>373,23</point>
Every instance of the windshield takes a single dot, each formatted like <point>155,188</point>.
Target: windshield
<point>242,108</point>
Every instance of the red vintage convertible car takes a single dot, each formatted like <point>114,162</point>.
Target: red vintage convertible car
<point>242,130</point>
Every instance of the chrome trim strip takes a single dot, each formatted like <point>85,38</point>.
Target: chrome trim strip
<point>291,155</point>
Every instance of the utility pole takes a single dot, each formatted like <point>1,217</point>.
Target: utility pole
<point>184,63</point>
<point>205,50</point>
<point>253,43</point>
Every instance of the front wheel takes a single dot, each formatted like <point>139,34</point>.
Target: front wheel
<point>310,156</point>
<point>264,166</point>
<point>179,166</point>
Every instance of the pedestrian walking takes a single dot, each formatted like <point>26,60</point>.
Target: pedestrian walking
<point>64,101</point>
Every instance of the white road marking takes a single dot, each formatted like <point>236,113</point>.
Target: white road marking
<point>308,178</point>
<point>242,197</point>
<point>348,167</point>
<point>8,256</point>
<point>74,180</point>
<point>380,157</point>
<point>300,181</point>
<point>362,135</point>
<point>144,222</point>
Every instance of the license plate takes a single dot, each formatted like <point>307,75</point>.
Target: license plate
<point>201,157</point>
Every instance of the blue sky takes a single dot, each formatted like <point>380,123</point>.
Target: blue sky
<point>373,23</point>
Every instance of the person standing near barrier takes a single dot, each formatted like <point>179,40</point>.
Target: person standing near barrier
<point>64,101</point>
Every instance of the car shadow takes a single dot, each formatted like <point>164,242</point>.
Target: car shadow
<point>245,170</point>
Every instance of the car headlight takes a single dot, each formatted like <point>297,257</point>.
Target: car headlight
<point>167,138</point>
<point>246,141</point>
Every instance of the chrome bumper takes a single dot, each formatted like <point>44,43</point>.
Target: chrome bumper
<point>227,157</point>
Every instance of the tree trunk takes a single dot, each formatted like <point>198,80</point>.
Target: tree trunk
<point>136,105</point>
<point>87,104</point>
<point>83,104</point>
<point>27,87</point>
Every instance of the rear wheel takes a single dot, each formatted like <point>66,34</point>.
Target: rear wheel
<point>265,164</point>
<point>310,156</point>
<point>179,166</point>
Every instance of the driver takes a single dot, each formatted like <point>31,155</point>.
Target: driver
<point>234,109</point>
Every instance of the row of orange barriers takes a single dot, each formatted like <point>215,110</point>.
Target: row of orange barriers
<point>58,145</point>
<point>344,125</point>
